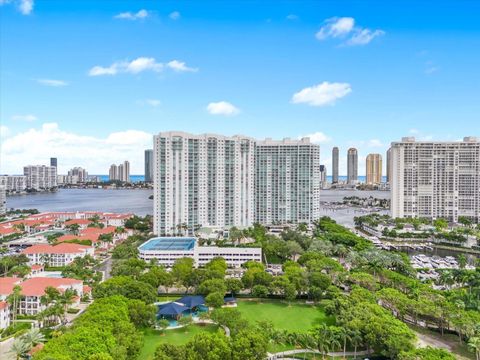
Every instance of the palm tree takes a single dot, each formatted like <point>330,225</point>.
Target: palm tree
<point>344,336</point>
<point>355,340</point>
<point>474,344</point>
<point>66,299</point>
<point>33,337</point>
<point>19,348</point>
<point>14,299</point>
<point>320,335</point>
<point>334,338</point>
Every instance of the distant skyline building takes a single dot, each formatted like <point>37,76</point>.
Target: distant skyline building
<point>433,179</point>
<point>323,176</point>
<point>3,199</point>
<point>335,164</point>
<point>352,166</point>
<point>149,165</point>
<point>80,173</point>
<point>40,177</point>
<point>53,161</point>
<point>373,169</point>
<point>389,165</point>
<point>287,181</point>
<point>120,172</point>
<point>202,180</point>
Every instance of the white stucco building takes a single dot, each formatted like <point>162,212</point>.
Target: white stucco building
<point>434,180</point>
<point>40,177</point>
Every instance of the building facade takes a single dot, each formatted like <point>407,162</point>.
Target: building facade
<point>149,165</point>
<point>352,166</point>
<point>374,169</point>
<point>287,181</point>
<point>53,162</point>
<point>120,172</point>
<point>202,180</point>
<point>335,164</point>
<point>56,256</point>
<point>14,183</point>
<point>40,177</point>
<point>80,173</point>
<point>436,179</point>
<point>389,165</point>
<point>323,177</point>
<point>167,250</point>
<point>3,199</point>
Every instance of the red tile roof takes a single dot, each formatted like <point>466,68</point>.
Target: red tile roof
<point>64,248</point>
<point>3,305</point>
<point>7,284</point>
<point>78,221</point>
<point>36,286</point>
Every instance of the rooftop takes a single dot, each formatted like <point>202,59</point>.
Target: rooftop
<point>169,243</point>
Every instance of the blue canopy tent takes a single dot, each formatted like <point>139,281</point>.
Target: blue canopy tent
<point>191,301</point>
<point>172,309</point>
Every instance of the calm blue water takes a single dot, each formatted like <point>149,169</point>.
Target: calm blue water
<point>138,178</point>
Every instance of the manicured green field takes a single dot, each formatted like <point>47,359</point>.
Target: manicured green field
<point>295,317</point>
<point>153,338</point>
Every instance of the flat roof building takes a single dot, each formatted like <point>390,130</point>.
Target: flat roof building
<point>166,250</point>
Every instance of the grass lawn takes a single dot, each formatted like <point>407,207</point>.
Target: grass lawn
<point>153,338</point>
<point>296,317</point>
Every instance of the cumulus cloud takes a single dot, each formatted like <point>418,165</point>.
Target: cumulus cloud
<point>36,145</point>
<point>142,14</point>
<point>52,82</point>
<point>24,6</point>
<point>222,108</point>
<point>317,137</point>
<point>344,28</point>
<point>175,15</point>
<point>27,117</point>
<point>139,65</point>
<point>180,66</point>
<point>322,94</point>
<point>4,131</point>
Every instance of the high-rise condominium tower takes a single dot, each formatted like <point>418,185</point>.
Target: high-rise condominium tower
<point>352,166</point>
<point>389,165</point>
<point>148,165</point>
<point>53,162</point>
<point>202,180</point>
<point>40,177</point>
<point>335,158</point>
<point>374,169</point>
<point>287,181</point>
<point>436,179</point>
<point>120,172</point>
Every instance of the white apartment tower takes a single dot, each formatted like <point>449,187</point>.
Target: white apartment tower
<point>40,177</point>
<point>202,180</point>
<point>436,179</point>
<point>287,181</point>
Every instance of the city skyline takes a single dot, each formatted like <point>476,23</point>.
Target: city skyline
<point>226,68</point>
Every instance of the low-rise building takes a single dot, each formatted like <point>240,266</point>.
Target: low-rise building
<point>56,255</point>
<point>4,315</point>
<point>166,250</point>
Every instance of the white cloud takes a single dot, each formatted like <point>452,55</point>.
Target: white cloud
<point>180,66</point>
<point>142,14</point>
<point>364,36</point>
<point>175,15</point>
<point>139,65</point>
<point>222,108</point>
<point>413,131</point>
<point>151,102</point>
<point>292,17</point>
<point>52,82</point>
<point>322,94</point>
<point>344,28</point>
<point>318,138</point>
<point>24,6</point>
<point>4,131</point>
<point>375,143</point>
<point>36,145</point>
<point>431,68</point>
<point>335,27</point>
<point>28,117</point>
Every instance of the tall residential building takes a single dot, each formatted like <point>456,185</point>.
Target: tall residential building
<point>14,183</point>
<point>149,165</point>
<point>3,199</point>
<point>40,177</point>
<point>389,165</point>
<point>287,181</point>
<point>113,172</point>
<point>352,166</point>
<point>202,180</point>
<point>335,159</point>
<point>53,162</point>
<point>120,172</point>
<point>374,169</point>
<point>436,179</point>
<point>323,176</point>
<point>80,173</point>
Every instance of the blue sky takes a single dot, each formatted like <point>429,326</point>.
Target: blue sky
<point>90,81</point>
